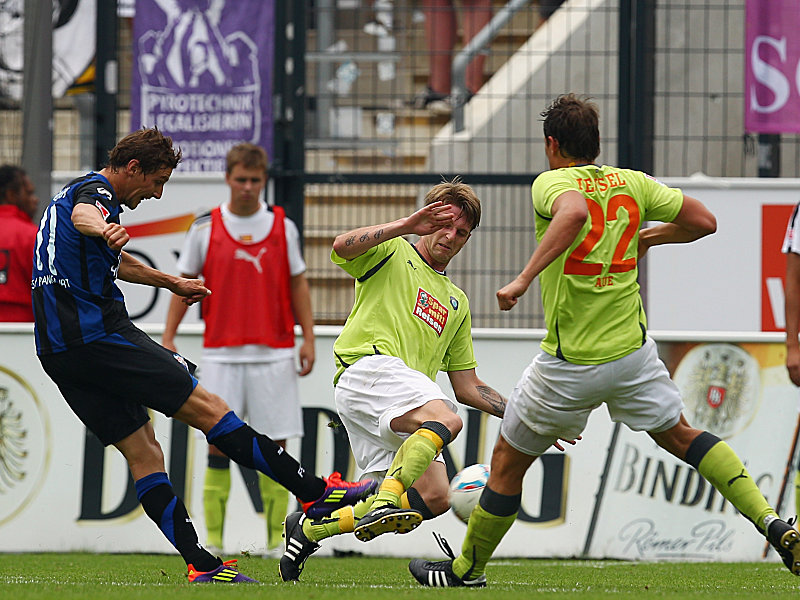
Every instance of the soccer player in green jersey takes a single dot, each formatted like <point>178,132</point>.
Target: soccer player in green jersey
<point>596,349</point>
<point>409,321</point>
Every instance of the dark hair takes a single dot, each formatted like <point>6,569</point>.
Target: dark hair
<point>573,122</point>
<point>150,147</point>
<point>11,180</point>
<point>248,155</point>
<point>458,194</point>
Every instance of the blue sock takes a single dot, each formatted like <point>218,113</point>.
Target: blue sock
<point>249,448</point>
<point>168,512</point>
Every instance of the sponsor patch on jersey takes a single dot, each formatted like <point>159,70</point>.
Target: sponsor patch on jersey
<point>104,192</point>
<point>453,303</point>
<point>181,360</point>
<point>103,210</point>
<point>430,311</point>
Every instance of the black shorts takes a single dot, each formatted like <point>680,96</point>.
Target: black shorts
<point>109,382</point>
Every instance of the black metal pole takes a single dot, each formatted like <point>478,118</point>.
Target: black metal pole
<point>636,84</point>
<point>636,92</point>
<point>37,98</point>
<point>288,164</point>
<point>106,82</point>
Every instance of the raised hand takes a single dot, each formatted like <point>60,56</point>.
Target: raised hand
<point>115,236</point>
<point>508,295</point>
<point>431,217</point>
<point>192,290</point>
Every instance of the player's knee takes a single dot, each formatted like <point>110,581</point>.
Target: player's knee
<point>437,501</point>
<point>146,456</point>
<point>454,424</point>
<point>202,409</point>
<point>446,426</point>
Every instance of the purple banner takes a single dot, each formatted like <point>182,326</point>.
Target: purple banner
<point>203,75</point>
<point>772,78</point>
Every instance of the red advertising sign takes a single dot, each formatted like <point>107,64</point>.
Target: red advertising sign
<point>774,218</point>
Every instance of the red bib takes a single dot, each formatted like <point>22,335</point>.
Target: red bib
<point>250,301</point>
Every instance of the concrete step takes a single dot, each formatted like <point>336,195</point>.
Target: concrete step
<point>334,209</point>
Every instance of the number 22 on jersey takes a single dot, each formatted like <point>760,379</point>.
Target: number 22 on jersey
<point>576,264</point>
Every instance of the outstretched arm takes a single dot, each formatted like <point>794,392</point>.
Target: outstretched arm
<point>135,271</point>
<point>175,313</point>
<point>427,219</point>
<point>569,215</point>
<point>693,222</point>
<point>471,391</point>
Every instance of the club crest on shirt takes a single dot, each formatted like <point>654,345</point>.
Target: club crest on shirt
<point>430,311</point>
<point>103,210</point>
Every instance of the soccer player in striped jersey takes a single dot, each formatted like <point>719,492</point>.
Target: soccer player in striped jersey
<point>596,349</point>
<point>110,372</point>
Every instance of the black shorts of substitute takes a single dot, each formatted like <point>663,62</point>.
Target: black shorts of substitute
<point>109,382</point>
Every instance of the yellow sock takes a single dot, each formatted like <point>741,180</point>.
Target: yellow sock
<point>216,487</point>
<point>484,532</point>
<point>723,468</point>
<point>411,461</point>
<point>275,499</point>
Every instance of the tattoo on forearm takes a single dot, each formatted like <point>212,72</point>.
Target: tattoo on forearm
<point>350,241</point>
<point>364,237</point>
<point>495,400</point>
<point>378,234</point>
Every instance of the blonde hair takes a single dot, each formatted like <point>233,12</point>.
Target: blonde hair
<point>458,194</point>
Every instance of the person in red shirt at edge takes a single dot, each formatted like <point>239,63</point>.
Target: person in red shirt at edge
<point>18,203</point>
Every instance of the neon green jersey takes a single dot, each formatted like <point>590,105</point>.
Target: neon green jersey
<point>406,309</point>
<point>593,310</point>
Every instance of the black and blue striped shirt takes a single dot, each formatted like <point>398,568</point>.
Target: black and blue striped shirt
<point>75,299</point>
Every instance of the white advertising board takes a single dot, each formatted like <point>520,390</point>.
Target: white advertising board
<point>732,280</point>
<point>613,495</point>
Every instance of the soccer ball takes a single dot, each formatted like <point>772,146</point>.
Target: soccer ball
<point>466,489</point>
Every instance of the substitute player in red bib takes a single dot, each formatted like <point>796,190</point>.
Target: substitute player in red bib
<point>249,254</point>
<point>596,350</point>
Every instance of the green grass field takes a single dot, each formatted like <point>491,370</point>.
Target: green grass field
<point>100,576</point>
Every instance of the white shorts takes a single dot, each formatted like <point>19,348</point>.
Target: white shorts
<point>553,398</point>
<point>264,394</point>
<point>372,392</point>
